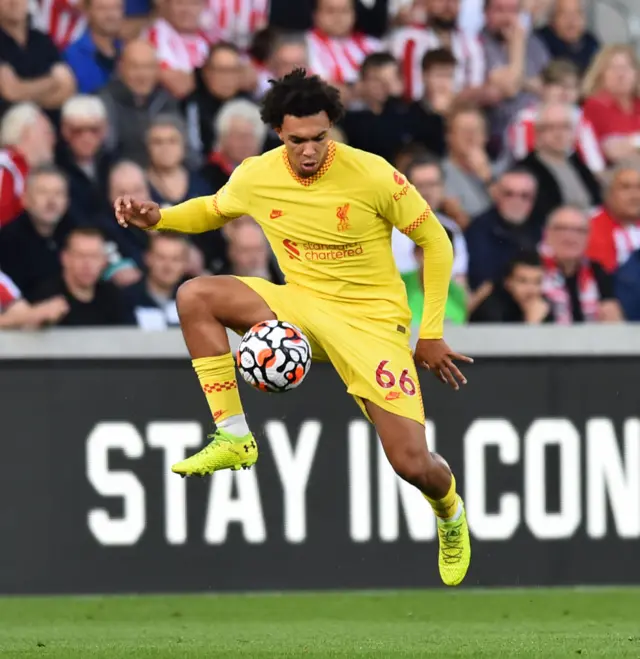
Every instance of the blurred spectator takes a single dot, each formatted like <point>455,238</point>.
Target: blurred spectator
<point>612,101</point>
<point>234,22</point>
<point>427,116</point>
<point>170,182</point>
<point>407,154</point>
<point>514,61</point>
<point>504,230</point>
<point>63,20</point>
<point>560,84</point>
<point>241,135</point>
<point>81,156</point>
<point>27,139</point>
<point>410,45</point>
<point>287,16</point>
<point>627,287</point>
<point>249,252</point>
<point>335,50</point>
<point>92,302</point>
<point>562,177</point>
<point>31,68</point>
<point>518,298</point>
<point>181,45</point>
<point>579,290</point>
<point>289,52</point>
<point>377,122</point>
<point>93,56</point>
<point>567,37</point>
<point>17,313</point>
<point>217,82</point>
<point>286,53</point>
<point>376,17</point>
<point>467,169</point>
<point>30,245</point>
<point>126,178</point>
<point>154,298</point>
<point>133,100</point>
<point>615,230</point>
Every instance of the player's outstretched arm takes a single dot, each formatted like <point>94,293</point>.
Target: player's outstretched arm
<point>193,216</point>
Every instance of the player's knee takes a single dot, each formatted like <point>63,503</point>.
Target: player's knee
<point>198,294</point>
<point>411,464</point>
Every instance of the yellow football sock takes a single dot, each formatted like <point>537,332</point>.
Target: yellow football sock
<point>448,505</point>
<point>217,377</point>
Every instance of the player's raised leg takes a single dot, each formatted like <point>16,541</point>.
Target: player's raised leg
<point>404,443</point>
<point>207,306</point>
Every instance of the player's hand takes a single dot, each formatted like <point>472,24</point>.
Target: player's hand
<point>141,214</point>
<point>436,356</point>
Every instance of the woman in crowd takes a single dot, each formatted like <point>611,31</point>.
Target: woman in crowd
<point>170,181</point>
<point>612,105</point>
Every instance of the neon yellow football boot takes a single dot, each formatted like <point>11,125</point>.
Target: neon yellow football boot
<point>224,451</point>
<point>455,549</point>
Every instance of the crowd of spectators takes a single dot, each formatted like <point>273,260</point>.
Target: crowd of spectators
<point>518,127</point>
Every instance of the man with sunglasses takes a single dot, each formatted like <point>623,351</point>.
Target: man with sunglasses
<point>496,236</point>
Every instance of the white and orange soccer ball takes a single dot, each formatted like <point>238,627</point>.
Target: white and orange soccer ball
<point>274,356</point>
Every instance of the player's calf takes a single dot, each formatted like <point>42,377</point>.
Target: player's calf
<point>207,306</point>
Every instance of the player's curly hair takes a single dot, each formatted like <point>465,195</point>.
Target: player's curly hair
<point>300,96</point>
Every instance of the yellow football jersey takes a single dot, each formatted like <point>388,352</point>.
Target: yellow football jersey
<point>331,232</point>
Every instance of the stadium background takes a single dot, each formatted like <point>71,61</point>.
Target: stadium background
<point>545,438</point>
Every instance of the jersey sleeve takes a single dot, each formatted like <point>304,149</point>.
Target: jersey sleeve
<point>211,212</point>
<point>400,204</point>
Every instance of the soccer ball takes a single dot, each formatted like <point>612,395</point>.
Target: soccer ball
<point>274,356</point>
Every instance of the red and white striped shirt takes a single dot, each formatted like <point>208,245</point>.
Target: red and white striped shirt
<point>9,292</point>
<point>176,51</point>
<point>409,45</point>
<point>62,20</point>
<point>521,138</point>
<point>338,60</point>
<point>235,21</point>
<point>13,172</point>
<point>611,243</point>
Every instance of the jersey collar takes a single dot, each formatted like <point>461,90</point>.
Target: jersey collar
<point>307,181</point>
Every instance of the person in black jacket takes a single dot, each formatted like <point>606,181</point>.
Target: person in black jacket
<point>92,302</point>
<point>30,245</point>
<point>81,156</point>
<point>218,81</point>
<point>377,122</point>
<point>133,99</point>
<point>563,178</point>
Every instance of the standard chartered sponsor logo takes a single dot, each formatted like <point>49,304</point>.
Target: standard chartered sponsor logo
<point>321,251</point>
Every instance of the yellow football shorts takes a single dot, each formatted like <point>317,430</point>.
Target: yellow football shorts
<point>374,360</point>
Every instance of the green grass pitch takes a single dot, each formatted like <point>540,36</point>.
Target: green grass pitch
<point>544,624</point>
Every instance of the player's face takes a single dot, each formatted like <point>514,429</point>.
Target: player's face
<point>307,142</point>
